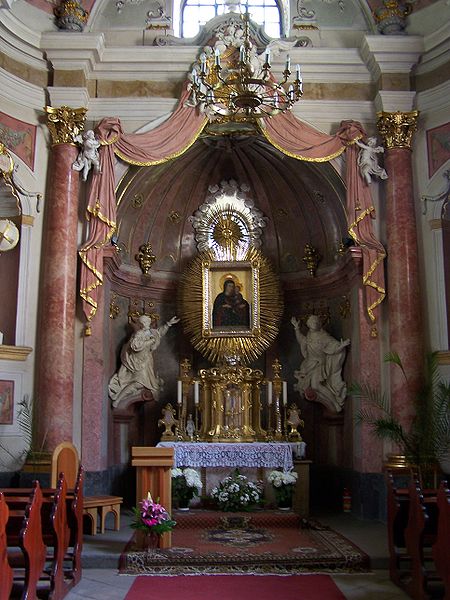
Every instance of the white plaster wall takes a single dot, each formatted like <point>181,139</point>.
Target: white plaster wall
<point>435,111</point>
<point>22,372</point>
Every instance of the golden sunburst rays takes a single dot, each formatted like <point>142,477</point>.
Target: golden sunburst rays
<point>227,232</point>
<point>194,308</point>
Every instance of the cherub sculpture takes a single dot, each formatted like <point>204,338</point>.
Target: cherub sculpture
<point>368,161</point>
<point>88,156</point>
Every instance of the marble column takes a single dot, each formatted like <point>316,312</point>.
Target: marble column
<point>403,285</point>
<point>57,295</point>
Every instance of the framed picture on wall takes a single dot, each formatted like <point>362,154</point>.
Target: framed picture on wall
<point>6,402</point>
<point>230,298</point>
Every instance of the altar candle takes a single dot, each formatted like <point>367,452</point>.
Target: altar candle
<point>288,63</point>
<point>196,392</point>
<point>180,392</point>
<point>284,393</point>
<point>269,393</point>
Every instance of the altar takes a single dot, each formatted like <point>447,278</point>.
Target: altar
<point>274,455</point>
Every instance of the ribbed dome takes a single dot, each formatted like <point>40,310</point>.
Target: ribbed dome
<point>302,201</point>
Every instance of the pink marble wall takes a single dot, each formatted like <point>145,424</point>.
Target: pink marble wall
<point>57,301</point>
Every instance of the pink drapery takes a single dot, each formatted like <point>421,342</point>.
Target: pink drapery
<point>300,141</point>
<point>164,143</point>
<point>176,135</point>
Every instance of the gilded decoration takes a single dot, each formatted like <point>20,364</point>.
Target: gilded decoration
<point>145,257</point>
<point>65,123</point>
<point>311,259</point>
<point>397,128</point>
<point>230,297</point>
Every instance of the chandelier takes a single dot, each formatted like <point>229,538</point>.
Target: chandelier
<point>236,84</point>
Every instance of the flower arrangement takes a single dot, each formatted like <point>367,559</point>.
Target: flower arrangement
<point>236,493</point>
<point>186,484</point>
<point>283,483</point>
<point>151,517</point>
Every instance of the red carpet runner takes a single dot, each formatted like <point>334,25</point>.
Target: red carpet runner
<point>235,587</point>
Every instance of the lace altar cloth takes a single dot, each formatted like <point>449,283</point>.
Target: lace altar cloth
<point>264,454</point>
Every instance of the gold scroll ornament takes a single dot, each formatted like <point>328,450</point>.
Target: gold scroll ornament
<point>397,128</point>
<point>65,123</point>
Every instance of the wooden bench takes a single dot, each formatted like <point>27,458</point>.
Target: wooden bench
<point>441,548</point>
<point>54,534</point>
<point>100,506</point>
<point>24,529</point>
<point>6,573</point>
<point>420,535</point>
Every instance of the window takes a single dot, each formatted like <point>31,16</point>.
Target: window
<point>198,12</point>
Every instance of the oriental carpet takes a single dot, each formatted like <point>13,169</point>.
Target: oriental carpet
<point>226,587</point>
<point>265,542</point>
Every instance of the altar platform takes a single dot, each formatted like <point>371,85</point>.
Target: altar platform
<point>255,460</point>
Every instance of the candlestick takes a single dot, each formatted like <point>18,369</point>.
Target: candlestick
<point>267,59</point>
<point>269,393</point>
<point>288,63</point>
<point>298,74</point>
<point>217,57</point>
<point>179,391</point>
<point>284,393</point>
<point>196,392</point>
<point>241,54</point>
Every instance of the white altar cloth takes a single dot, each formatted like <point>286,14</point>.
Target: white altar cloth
<point>257,454</point>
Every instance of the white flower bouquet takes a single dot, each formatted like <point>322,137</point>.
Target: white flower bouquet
<point>283,483</point>
<point>236,493</point>
<point>186,484</point>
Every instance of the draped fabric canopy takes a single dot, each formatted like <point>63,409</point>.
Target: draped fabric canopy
<point>176,135</point>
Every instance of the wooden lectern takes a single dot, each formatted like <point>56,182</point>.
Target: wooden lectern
<point>153,475</point>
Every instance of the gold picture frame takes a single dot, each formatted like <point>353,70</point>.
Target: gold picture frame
<point>230,298</point>
<point>199,289</point>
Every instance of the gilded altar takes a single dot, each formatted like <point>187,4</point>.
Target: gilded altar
<point>230,305</point>
<point>230,405</point>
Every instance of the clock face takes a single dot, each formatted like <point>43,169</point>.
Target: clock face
<point>9,235</point>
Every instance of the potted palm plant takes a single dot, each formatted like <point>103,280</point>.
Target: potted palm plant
<point>426,443</point>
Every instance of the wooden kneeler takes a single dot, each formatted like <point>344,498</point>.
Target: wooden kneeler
<point>153,474</point>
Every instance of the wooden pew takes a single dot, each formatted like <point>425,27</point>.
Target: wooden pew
<point>29,539</point>
<point>62,515</point>
<point>6,573</point>
<point>55,533</point>
<point>441,548</point>
<point>397,520</point>
<point>75,521</point>
<point>420,535</point>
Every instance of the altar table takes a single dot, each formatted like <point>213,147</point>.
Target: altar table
<point>275,455</point>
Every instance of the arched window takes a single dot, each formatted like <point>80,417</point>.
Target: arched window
<point>195,13</point>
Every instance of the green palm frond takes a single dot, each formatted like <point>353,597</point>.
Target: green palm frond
<point>429,436</point>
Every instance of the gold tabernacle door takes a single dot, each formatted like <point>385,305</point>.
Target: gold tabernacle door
<point>230,404</point>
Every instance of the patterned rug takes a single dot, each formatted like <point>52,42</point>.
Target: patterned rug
<point>268,542</point>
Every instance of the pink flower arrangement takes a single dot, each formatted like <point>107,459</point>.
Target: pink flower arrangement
<point>151,516</point>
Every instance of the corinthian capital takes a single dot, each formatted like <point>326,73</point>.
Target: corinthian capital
<point>65,123</point>
<point>397,128</point>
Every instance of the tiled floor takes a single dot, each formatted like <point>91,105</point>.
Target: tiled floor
<point>101,581</point>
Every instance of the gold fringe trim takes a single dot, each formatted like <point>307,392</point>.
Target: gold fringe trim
<point>299,156</point>
<point>367,281</point>
<point>166,158</point>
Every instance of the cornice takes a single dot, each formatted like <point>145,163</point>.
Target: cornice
<point>388,101</point>
<point>131,109</point>
<point>14,352</point>
<point>434,99</point>
<point>76,97</point>
<point>21,92</point>
<point>77,52</point>
<point>437,50</point>
<point>19,42</point>
<point>391,53</point>
<point>87,52</point>
<point>326,111</point>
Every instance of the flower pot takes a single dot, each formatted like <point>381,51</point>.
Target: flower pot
<point>146,540</point>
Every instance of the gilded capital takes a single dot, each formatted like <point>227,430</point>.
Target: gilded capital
<point>397,128</point>
<point>65,123</point>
